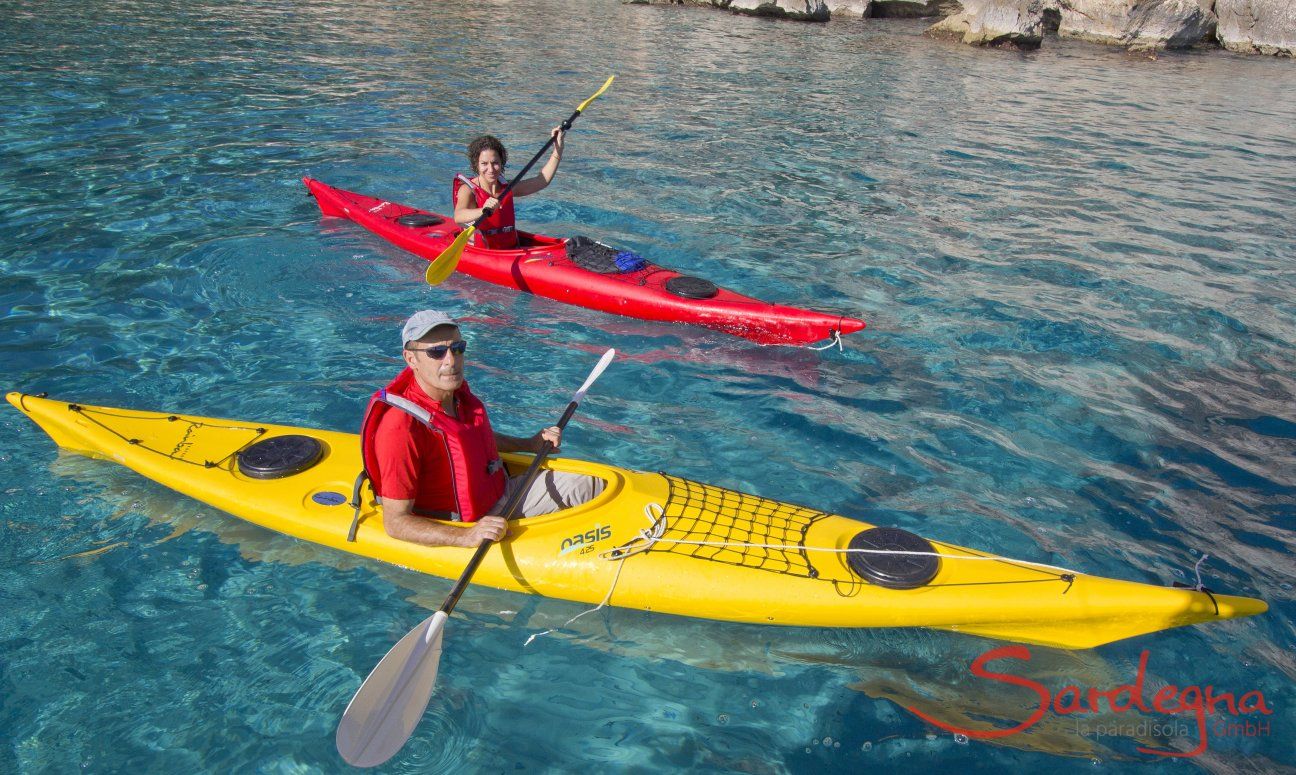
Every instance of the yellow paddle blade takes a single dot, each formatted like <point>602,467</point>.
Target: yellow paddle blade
<point>444,265</point>
<point>586,103</point>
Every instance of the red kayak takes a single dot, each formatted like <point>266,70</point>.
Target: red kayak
<point>586,273</point>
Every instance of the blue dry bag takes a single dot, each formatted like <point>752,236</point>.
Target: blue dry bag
<point>629,261</point>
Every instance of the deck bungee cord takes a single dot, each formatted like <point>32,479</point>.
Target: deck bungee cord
<point>651,536</point>
<point>177,452</point>
<point>708,510</point>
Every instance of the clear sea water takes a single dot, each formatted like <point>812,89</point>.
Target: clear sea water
<point>1077,268</point>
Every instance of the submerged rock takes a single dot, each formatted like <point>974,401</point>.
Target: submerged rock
<point>1139,24</point>
<point>1257,26</point>
<point>801,10</point>
<point>1015,23</point>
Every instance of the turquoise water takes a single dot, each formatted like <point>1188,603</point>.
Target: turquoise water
<point>1076,266</point>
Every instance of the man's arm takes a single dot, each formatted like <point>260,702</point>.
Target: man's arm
<point>552,434</point>
<point>399,459</point>
<point>401,523</point>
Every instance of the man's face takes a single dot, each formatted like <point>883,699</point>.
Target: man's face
<point>445,372</point>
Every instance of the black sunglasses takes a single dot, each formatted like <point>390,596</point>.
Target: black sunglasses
<point>439,351</point>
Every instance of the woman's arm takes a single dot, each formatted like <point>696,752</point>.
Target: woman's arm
<point>466,210</point>
<point>539,182</point>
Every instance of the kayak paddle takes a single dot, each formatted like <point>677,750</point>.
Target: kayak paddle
<point>444,265</point>
<point>391,701</point>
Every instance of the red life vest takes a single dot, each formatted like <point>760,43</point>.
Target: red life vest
<point>497,232</point>
<point>465,448</point>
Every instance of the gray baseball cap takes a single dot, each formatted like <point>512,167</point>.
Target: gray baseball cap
<point>422,322</point>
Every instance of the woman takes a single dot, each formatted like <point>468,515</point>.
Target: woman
<point>473,196</point>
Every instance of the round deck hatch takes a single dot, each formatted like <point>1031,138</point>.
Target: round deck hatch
<point>912,566</point>
<point>280,456</point>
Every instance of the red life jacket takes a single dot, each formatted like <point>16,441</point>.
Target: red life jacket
<point>497,232</point>
<point>465,448</point>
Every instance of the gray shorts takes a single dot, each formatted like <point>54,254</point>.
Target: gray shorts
<point>551,491</point>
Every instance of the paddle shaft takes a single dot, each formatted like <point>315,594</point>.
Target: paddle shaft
<point>510,510</point>
<point>486,211</point>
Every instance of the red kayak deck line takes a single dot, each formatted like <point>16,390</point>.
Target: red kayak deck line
<point>542,266</point>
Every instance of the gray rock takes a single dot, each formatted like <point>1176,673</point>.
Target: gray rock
<point>801,10</point>
<point>1257,26</point>
<point>1102,21</point>
<point>1139,24</point>
<point>1015,23</point>
<point>1052,15</point>
<point>849,9</point>
<point>1173,23</point>
<point>911,9</point>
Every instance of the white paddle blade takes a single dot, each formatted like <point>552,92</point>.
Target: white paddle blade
<point>598,371</point>
<point>389,704</point>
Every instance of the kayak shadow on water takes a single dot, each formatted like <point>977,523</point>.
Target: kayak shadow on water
<point>926,672</point>
<point>647,342</point>
<point>795,364</point>
<point>921,669</point>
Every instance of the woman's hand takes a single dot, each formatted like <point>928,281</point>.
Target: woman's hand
<point>558,136</point>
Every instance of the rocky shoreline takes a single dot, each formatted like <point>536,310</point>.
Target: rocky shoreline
<point>1143,26</point>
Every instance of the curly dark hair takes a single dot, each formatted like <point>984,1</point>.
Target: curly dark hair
<point>485,143</point>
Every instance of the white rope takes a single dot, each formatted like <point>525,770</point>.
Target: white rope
<point>1197,570</point>
<point>649,535</point>
<point>653,512</point>
<point>836,340</point>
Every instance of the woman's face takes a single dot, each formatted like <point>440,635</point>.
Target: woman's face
<point>489,166</point>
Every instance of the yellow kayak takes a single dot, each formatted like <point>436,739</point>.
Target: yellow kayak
<point>650,541</point>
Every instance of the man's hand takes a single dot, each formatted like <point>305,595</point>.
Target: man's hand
<point>485,529</point>
<point>552,434</point>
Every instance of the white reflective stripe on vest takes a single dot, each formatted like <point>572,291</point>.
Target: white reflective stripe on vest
<point>404,404</point>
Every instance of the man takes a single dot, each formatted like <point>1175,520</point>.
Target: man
<point>430,450</point>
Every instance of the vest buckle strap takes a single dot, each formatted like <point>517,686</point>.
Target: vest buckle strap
<point>452,516</point>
